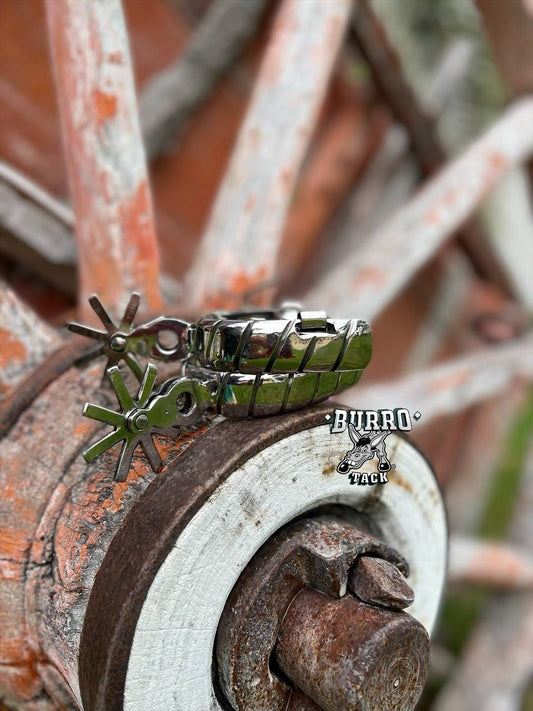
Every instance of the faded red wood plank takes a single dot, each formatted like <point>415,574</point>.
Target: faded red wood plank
<point>241,242</point>
<point>368,280</point>
<point>25,340</point>
<point>452,386</point>
<point>509,26</point>
<point>112,201</point>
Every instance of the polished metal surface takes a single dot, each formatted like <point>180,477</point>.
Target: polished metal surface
<point>179,402</point>
<point>243,364</point>
<point>124,342</point>
<point>247,395</point>
<point>268,342</point>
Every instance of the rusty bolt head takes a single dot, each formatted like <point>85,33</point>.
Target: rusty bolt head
<point>350,656</point>
<point>316,553</point>
<point>379,582</point>
<point>301,702</point>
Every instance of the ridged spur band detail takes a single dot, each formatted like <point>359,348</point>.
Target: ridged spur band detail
<point>248,395</point>
<point>269,343</point>
<point>242,364</point>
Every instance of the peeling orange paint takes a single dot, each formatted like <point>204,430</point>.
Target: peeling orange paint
<point>244,281</point>
<point>116,236</point>
<point>12,349</point>
<point>21,682</point>
<point>240,285</point>
<point>496,162</point>
<point>369,276</point>
<point>447,201</point>
<point>138,232</point>
<point>115,58</point>
<point>105,105</point>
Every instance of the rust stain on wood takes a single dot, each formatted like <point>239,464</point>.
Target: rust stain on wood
<point>12,349</point>
<point>105,105</point>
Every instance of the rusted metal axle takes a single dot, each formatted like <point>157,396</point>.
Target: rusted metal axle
<point>321,605</point>
<point>345,654</point>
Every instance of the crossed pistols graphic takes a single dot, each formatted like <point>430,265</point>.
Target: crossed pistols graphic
<point>366,445</point>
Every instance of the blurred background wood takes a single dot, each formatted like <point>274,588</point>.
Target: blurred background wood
<point>385,108</point>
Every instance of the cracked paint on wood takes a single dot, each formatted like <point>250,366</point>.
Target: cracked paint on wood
<point>25,340</point>
<point>104,153</point>
<point>240,246</point>
<point>368,280</point>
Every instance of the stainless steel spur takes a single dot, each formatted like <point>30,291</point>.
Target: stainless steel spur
<point>242,364</point>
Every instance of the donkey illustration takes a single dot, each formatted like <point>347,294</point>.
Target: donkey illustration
<point>366,446</point>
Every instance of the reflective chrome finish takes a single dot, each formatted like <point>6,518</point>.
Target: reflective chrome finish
<point>263,394</point>
<point>179,402</point>
<point>266,342</point>
<point>123,342</point>
<point>243,364</point>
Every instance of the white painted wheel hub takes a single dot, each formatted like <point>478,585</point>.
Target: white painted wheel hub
<point>171,659</point>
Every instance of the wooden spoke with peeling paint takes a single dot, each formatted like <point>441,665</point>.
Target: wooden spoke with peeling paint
<point>82,557</point>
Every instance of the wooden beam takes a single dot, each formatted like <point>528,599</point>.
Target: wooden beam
<point>493,565</point>
<point>172,95</point>
<point>37,230</point>
<point>103,147</point>
<point>452,386</point>
<point>240,245</point>
<point>509,28</point>
<point>372,40</point>
<point>25,340</point>
<point>367,281</point>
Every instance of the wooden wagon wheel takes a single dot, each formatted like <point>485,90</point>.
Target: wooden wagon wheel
<point>87,564</point>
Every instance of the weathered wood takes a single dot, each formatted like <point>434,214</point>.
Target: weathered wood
<point>490,425</point>
<point>386,69</point>
<point>449,75</point>
<point>169,99</point>
<point>41,212</point>
<point>57,517</point>
<point>391,178</point>
<point>496,666</point>
<point>492,565</point>
<point>34,459</point>
<point>350,135</point>
<point>114,222</point>
<point>240,245</point>
<point>210,541</point>
<point>451,292</point>
<point>452,386</point>
<point>366,282</point>
<point>37,229</point>
<point>64,528</point>
<point>25,340</point>
<point>509,27</point>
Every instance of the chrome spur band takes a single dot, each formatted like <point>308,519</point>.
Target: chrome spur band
<point>275,342</point>
<point>244,364</point>
<point>263,394</point>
